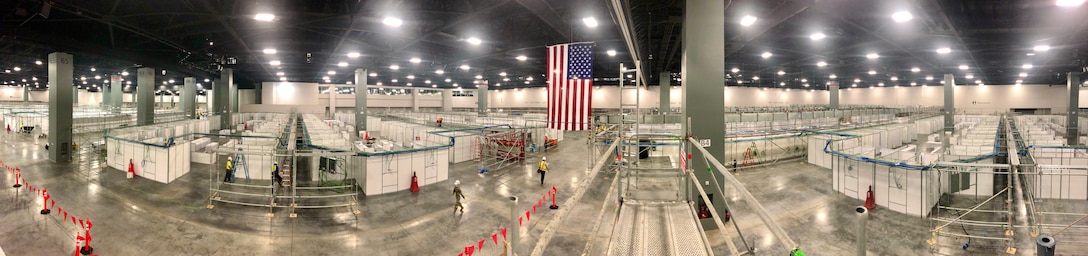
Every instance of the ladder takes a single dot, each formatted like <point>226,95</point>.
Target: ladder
<point>285,173</point>
<point>239,160</point>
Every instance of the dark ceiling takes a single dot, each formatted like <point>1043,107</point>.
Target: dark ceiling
<point>993,38</point>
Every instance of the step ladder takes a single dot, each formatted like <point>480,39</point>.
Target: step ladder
<point>239,160</point>
<point>285,173</point>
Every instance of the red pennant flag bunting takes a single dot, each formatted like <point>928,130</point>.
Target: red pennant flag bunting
<point>495,238</point>
<point>526,215</point>
<point>480,245</point>
<point>504,234</point>
<point>520,221</point>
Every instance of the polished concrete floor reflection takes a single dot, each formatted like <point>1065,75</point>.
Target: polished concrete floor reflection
<point>142,217</point>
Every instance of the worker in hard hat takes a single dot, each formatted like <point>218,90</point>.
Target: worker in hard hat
<point>230,169</point>
<point>458,195</point>
<point>276,174</point>
<point>542,168</point>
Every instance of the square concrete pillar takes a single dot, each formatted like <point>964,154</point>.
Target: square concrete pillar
<point>60,107</point>
<point>360,100</point>
<point>145,96</point>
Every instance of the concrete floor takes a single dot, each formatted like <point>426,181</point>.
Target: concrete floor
<point>142,217</point>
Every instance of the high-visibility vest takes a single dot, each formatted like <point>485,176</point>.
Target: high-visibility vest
<point>543,166</point>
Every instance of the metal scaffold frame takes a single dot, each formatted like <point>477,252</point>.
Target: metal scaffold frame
<point>501,147</point>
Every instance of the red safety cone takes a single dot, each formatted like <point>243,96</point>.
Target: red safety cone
<point>870,202</point>
<point>554,206</point>
<point>415,183</point>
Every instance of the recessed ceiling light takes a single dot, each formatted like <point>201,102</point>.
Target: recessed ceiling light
<point>963,67</point>
<point>502,74</point>
<point>1019,81</point>
<point>735,70</point>
<point>1027,66</point>
<point>332,72</point>
<point>872,56</point>
<point>529,78</point>
<point>748,20</point>
<point>474,41</point>
<point>479,77</point>
<point>913,84</point>
<point>1022,74</point>
<point>415,60</point>
<point>408,84</point>
<point>281,74</point>
<point>902,16</point>
<point>803,80</point>
<point>611,52</point>
<point>526,82</point>
<point>464,67</point>
<point>392,21</point>
<point>95,77</point>
<point>880,84</point>
<point>439,71</point>
<point>1041,48</point>
<point>410,77</point>
<point>895,78</point>
<point>970,76</point>
<point>766,55</point>
<point>806,85</point>
<point>354,55</point>
<point>326,78</point>
<point>1068,3</point>
<point>853,85</point>
<point>833,76</point>
<point>427,81</point>
<point>92,69</point>
<point>269,51</point>
<point>38,62</point>
<point>756,78</point>
<point>274,63</point>
<point>283,79</point>
<point>448,80</point>
<point>394,67</point>
<point>342,64</point>
<point>817,36</point>
<point>264,17</point>
<point>872,72</point>
<point>945,50</point>
<point>978,81</point>
<point>124,73</point>
<point>207,80</point>
<point>590,22</point>
<point>780,72</point>
<point>929,78</point>
<point>434,86</point>
<point>1031,54</point>
<point>394,80</point>
<point>373,74</point>
<point>821,64</point>
<point>915,70</point>
<point>505,79</point>
<point>856,80</point>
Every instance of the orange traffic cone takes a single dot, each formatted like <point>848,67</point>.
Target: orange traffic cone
<point>870,202</point>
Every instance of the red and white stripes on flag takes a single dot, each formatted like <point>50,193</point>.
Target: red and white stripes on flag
<point>570,83</point>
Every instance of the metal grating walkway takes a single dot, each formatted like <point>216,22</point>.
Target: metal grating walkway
<point>657,229</point>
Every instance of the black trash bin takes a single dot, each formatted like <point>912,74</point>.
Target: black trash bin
<point>643,148</point>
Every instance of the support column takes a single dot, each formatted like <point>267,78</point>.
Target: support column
<point>833,92</point>
<point>26,94</point>
<point>106,89</point>
<point>222,96</point>
<point>60,107</point>
<point>145,96</point>
<point>360,101</point>
<point>415,100</point>
<point>75,95</point>
<point>258,89</point>
<point>162,99</point>
<point>1072,132</point>
<point>702,70</point>
<point>332,100</point>
<point>188,98</point>
<point>949,103</point>
<point>481,98</point>
<point>447,100</point>
<point>116,92</point>
<point>664,93</point>
<point>233,97</point>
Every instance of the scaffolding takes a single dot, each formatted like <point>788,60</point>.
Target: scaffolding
<point>501,147</point>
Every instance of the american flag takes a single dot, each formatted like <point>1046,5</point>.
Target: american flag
<point>570,79</point>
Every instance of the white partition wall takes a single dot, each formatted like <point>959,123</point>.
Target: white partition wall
<point>393,172</point>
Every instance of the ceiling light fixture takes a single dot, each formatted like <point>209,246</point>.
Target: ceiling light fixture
<point>735,70</point>
<point>521,58</point>
<point>1027,66</point>
<point>269,51</point>
<point>590,22</point>
<point>817,36</point>
<point>502,74</point>
<point>1022,74</point>
<point>410,77</point>
<point>342,64</point>
<point>38,62</point>
<point>1069,3</point>
<point>872,72</point>
<point>833,76</point>
<point>264,17</point>
<point>394,67</point>
<point>945,50</point>
<point>611,52</point>
<point>464,67</point>
<point>474,41</point>
<point>124,73</point>
<point>821,64</point>
<point>872,56</point>
<point>780,72</point>
<point>963,67</point>
<point>415,60</point>
<point>915,70</point>
<point>766,55</point>
<point>439,71</point>
<point>274,63</point>
<point>970,76</point>
<point>392,21</point>
<point>748,20</point>
<point>448,80</point>
<point>373,74</point>
<point>929,78</point>
<point>1041,48</point>
<point>354,55</point>
<point>902,16</point>
<point>281,74</point>
<point>895,78</point>
<point>756,78</point>
<point>332,72</point>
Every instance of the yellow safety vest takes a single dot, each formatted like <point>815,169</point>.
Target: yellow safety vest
<point>229,165</point>
<point>543,166</point>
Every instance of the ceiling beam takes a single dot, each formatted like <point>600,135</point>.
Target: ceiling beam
<point>783,13</point>
<point>959,37</point>
<point>542,10</point>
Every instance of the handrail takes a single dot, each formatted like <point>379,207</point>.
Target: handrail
<point>776,230</point>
